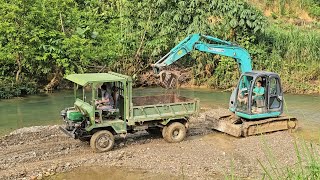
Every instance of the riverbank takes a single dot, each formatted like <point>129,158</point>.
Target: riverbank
<point>44,151</point>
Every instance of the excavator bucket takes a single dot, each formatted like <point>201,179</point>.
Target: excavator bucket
<point>238,127</point>
<point>169,79</point>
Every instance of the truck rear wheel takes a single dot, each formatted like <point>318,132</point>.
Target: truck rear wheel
<point>102,141</point>
<point>164,130</point>
<point>175,132</point>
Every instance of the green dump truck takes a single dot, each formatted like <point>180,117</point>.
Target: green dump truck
<point>85,120</point>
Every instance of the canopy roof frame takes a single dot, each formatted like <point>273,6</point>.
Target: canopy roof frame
<point>88,78</point>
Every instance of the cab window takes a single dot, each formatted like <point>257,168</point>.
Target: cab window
<point>273,86</point>
<point>274,92</point>
<point>243,93</point>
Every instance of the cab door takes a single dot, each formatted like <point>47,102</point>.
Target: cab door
<point>241,96</point>
<point>275,94</point>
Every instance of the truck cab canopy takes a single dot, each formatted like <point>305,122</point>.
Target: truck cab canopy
<point>87,78</point>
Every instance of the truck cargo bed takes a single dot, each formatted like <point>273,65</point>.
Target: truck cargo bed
<point>163,107</point>
<point>159,99</point>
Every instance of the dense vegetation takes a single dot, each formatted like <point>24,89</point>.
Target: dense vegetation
<point>41,40</point>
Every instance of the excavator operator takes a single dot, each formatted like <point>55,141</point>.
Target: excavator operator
<point>258,98</point>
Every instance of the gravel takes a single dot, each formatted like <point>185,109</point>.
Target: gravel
<point>43,151</point>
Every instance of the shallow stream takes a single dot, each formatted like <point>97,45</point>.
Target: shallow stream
<point>45,109</point>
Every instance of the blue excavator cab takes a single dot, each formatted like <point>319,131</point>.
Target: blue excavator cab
<point>245,100</point>
<point>249,104</point>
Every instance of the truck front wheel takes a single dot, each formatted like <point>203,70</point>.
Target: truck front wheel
<point>102,141</point>
<point>175,132</point>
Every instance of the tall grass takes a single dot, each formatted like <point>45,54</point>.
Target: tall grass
<point>295,44</point>
<point>307,166</point>
<point>292,7</point>
<point>282,7</point>
<point>313,6</point>
<point>294,54</point>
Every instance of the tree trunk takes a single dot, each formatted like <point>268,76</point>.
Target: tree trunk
<point>62,26</point>
<point>18,60</point>
<point>54,81</point>
<point>143,36</point>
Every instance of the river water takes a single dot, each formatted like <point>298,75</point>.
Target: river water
<point>45,109</point>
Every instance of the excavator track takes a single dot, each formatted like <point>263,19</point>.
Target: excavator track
<point>238,127</point>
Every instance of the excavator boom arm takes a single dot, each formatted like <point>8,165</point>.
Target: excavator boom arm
<point>180,50</point>
<point>218,46</point>
<point>241,56</point>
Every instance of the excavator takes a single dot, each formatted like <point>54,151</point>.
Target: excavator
<point>251,112</point>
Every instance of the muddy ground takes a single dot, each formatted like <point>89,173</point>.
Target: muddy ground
<point>43,151</point>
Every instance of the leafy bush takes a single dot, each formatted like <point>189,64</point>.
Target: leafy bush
<point>9,89</point>
<point>41,39</point>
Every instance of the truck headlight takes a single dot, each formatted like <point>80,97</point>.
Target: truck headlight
<point>63,113</point>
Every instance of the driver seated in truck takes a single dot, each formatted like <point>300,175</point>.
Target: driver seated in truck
<point>106,103</point>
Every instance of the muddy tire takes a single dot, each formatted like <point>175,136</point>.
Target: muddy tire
<point>175,132</point>
<point>164,129</point>
<point>102,141</point>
